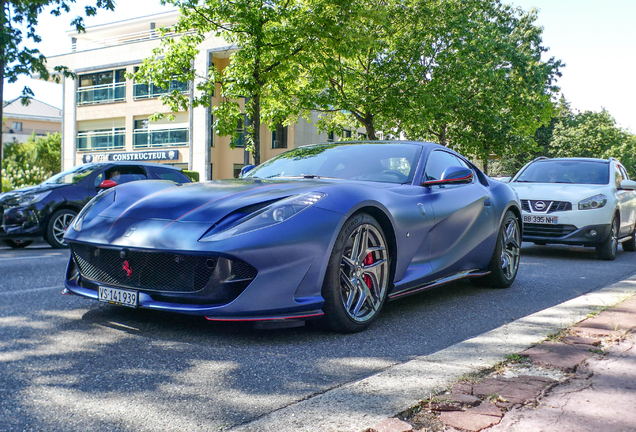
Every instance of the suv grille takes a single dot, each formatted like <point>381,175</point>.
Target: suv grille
<point>544,230</point>
<point>150,270</point>
<point>530,206</point>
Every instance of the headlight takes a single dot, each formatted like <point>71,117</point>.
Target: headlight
<point>273,214</point>
<point>594,202</point>
<point>32,199</point>
<point>79,219</point>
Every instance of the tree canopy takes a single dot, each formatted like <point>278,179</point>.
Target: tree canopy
<point>19,19</point>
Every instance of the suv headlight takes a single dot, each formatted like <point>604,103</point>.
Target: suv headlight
<point>593,202</point>
<point>273,214</point>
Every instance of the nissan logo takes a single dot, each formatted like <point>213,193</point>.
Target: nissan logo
<point>539,205</point>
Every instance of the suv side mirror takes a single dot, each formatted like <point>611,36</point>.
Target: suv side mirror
<point>628,185</point>
<point>107,184</point>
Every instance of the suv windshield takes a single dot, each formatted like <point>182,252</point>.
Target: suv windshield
<point>566,171</point>
<point>391,163</point>
<point>73,175</point>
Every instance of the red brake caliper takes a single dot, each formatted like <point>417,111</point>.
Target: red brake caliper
<point>368,260</point>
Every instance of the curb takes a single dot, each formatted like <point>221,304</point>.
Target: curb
<point>356,406</point>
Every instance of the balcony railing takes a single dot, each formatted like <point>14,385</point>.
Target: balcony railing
<point>146,91</point>
<point>105,93</point>
<point>144,138</point>
<point>84,45</point>
<point>87,141</point>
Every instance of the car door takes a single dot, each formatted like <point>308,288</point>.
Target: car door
<point>463,216</point>
<point>626,200</point>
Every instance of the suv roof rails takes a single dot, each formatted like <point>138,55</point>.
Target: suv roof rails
<point>539,158</point>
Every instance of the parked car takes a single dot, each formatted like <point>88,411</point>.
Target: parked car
<point>328,231</point>
<point>47,209</point>
<point>578,201</point>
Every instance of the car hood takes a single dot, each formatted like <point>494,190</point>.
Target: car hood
<point>17,193</point>
<point>557,191</point>
<point>200,202</point>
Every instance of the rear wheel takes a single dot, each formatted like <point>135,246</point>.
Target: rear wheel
<point>60,220</point>
<point>357,277</point>
<point>17,244</point>
<point>504,263</point>
<point>607,250</point>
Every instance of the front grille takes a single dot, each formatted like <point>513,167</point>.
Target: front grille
<point>551,231</point>
<point>530,206</point>
<point>150,270</point>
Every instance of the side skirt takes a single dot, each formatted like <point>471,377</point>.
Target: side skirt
<point>438,282</point>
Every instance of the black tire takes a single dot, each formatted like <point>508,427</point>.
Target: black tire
<point>59,221</point>
<point>630,245</point>
<point>357,278</point>
<point>607,250</point>
<point>504,264</point>
<point>17,244</point>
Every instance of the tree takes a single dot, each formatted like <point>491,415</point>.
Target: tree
<point>31,162</point>
<point>267,43</point>
<point>19,19</point>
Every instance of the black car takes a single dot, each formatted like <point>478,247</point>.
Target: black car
<point>47,209</point>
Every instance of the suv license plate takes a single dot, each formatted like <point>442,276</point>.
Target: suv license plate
<point>549,220</point>
<point>118,296</point>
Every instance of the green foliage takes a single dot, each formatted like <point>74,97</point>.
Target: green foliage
<point>14,177</point>
<point>192,175</point>
<point>26,163</point>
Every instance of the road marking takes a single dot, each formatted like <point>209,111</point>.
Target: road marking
<point>31,257</point>
<point>33,290</point>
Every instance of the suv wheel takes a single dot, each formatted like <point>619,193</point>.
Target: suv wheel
<point>607,249</point>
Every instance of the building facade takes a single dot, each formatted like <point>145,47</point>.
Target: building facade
<point>21,121</point>
<point>105,115</point>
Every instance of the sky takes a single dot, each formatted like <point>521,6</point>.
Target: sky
<point>595,38</point>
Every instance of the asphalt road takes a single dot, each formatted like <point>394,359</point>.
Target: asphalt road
<point>72,364</point>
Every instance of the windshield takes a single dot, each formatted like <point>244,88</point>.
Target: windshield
<point>391,163</point>
<point>566,171</point>
<point>73,175</point>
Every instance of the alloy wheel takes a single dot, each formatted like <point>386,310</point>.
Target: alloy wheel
<point>60,225</point>
<point>510,248</point>
<point>364,273</point>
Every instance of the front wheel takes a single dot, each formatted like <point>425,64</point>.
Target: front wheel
<point>59,222</point>
<point>607,250</point>
<point>357,277</point>
<point>630,245</point>
<point>504,263</point>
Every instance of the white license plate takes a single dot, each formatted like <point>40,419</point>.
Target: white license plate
<point>118,296</point>
<point>549,220</point>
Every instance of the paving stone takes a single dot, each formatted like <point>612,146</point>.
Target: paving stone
<point>468,420</point>
<point>557,355</point>
<point>391,425</point>
<point>462,387</point>
<point>580,340</point>
<point>614,322</point>
<point>487,408</point>
<point>461,398</point>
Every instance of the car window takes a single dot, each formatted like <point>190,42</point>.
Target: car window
<point>122,174</point>
<point>566,171</point>
<point>437,163</point>
<point>618,176</point>
<point>169,174</point>
<point>73,175</point>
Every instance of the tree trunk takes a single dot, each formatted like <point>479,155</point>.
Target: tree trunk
<point>484,162</point>
<point>442,136</point>
<point>370,127</point>
<point>256,126</point>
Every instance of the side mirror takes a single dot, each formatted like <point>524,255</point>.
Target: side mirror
<point>107,184</point>
<point>505,179</point>
<point>246,169</point>
<point>452,175</point>
<point>628,185</point>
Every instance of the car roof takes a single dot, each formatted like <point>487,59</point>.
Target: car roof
<point>580,159</point>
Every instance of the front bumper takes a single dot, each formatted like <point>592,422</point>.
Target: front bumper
<point>21,223</point>
<point>566,234</point>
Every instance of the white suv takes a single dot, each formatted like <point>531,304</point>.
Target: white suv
<point>578,201</point>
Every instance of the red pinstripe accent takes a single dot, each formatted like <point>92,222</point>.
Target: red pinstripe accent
<point>432,182</point>
<point>264,319</point>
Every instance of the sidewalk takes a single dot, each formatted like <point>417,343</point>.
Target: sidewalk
<point>583,379</point>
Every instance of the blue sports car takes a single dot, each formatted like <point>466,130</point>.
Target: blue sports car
<point>327,231</point>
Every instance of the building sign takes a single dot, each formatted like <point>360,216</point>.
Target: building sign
<point>146,156</point>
